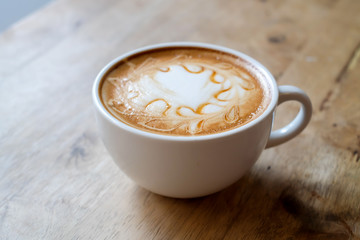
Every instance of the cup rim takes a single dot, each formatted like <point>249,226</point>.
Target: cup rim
<point>269,109</point>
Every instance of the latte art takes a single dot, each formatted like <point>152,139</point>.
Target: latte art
<point>184,92</point>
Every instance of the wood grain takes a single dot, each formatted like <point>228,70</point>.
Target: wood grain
<point>58,182</point>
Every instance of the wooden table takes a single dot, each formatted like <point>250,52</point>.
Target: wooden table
<point>58,182</point>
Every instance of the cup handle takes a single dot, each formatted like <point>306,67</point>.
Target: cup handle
<point>291,93</point>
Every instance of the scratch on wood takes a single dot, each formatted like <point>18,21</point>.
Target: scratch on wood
<point>79,149</point>
<point>356,152</point>
<point>325,100</point>
<point>350,64</point>
<point>77,152</point>
<point>277,38</point>
<point>356,155</point>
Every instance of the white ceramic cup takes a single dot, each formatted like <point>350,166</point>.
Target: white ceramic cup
<point>194,166</point>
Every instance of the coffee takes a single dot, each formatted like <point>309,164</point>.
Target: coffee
<point>184,91</point>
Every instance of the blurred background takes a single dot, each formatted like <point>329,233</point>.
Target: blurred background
<point>12,11</point>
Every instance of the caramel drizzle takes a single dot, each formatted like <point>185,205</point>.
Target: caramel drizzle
<point>216,96</point>
<point>233,114</point>
<point>165,69</point>
<point>212,77</point>
<point>200,124</point>
<point>247,88</point>
<point>168,106</point>
<point>196,72</point>
<point>201,107</point>
<point>197,111</point>
<point>179,108</point>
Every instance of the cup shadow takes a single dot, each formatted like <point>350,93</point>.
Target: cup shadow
<point>256,207</point>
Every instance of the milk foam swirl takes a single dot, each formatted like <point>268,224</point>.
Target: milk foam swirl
<point>183,95</point>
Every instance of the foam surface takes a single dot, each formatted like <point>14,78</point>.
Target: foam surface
<point>184,91</point>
